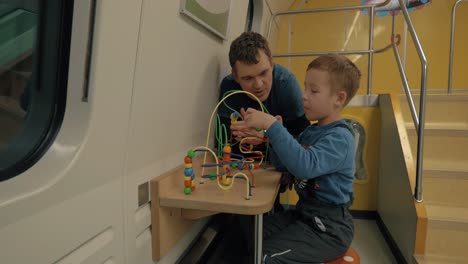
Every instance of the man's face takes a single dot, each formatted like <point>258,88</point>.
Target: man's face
<point>255,78</point>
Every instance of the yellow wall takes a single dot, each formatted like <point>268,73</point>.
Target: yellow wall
<point>348,30</point>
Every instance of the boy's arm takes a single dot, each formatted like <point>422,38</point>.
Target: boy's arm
<point>324,157</point>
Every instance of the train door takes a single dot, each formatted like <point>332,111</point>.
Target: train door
<point>66,72</point>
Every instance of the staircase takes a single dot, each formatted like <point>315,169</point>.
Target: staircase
<point>445,176</point>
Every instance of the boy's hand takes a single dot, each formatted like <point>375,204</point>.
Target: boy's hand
<point>279,118</point>
<point>257,119</point>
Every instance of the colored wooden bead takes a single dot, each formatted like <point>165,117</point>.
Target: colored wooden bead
<point>187,160</point>
<point>188,183</point>
<point>227,149</point>
<point>188,171</point>
<point>187,190</point>
<point>212,176</point>
<point>187,178</point>
<point>191,153</point>
<point>188,165</point>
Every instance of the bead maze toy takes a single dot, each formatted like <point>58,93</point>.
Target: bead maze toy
<point>225,159</point>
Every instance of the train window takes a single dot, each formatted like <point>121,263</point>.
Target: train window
<point>250,14</point>
<point>254,16</point>
<point>34,54</point>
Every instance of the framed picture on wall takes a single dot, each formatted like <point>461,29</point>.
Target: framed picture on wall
<point>212,14</point>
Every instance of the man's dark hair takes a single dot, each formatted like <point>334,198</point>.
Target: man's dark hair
<point>245,48</point>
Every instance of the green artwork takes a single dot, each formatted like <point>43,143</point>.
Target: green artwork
<point>212,14</point>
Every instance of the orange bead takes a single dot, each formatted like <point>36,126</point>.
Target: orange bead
<point>188,183</point>
<point>187,159</point>
<point>226,169</point>
<point>227,149</point>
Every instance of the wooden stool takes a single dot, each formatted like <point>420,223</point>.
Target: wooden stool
<point>351,256</point>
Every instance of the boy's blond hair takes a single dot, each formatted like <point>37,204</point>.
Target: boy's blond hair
<point>344,75</point>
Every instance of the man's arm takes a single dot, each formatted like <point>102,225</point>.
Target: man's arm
<point>296,126</point>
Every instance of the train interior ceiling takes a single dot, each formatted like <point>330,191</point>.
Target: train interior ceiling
<point>99,98</point>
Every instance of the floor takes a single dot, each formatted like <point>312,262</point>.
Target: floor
<point>368,242</point>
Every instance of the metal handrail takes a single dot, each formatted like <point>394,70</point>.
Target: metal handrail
<point>418,122</point>
<point>452,37</point>
<point>369,51</point>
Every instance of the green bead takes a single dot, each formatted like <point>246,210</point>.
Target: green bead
<point>212,176</point>
<point>187,190</point>
<point>258,129</point>
<point>191,153</point>
<point>234,165</point>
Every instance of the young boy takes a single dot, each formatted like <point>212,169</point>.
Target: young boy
<point>320,163</point>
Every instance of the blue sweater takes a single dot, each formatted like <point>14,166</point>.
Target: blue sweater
<point>323,153</point>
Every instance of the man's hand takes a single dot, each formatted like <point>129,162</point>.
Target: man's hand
<point>241,130</point>
<point>286,181</point>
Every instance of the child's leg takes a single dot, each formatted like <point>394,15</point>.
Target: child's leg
<point>303,242</point>
<point>276,222</point>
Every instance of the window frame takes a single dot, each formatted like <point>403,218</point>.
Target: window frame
<point>49,78</point>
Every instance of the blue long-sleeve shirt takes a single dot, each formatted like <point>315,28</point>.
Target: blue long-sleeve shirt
<point>321,153</point>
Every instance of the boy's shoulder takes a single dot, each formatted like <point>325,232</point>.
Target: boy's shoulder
<point>339,128</point>
<point>344,125</point>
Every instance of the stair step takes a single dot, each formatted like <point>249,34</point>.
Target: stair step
<point>458,172</point>
<point>440,129</point>
<point>439,108</point>
<point>442,143</point>
<point>446,187</point>
<point>435,259</point>
<point>450,217</point>
<point>454,167</point>
<point>447,231</point>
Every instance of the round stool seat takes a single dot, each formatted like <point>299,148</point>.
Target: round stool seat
<point>350,257</point>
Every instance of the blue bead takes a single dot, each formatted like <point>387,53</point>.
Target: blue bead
<point>188,171</point>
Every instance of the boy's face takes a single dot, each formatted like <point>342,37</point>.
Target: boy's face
<point>255,78</point>
<point>320,101</point>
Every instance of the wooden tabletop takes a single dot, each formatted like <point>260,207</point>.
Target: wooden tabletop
<point>173,212</point>
<point>209,196</point>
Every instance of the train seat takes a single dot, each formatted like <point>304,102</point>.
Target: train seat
<point>350,257</point>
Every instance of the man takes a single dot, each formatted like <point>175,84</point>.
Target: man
<point>253,71</point>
